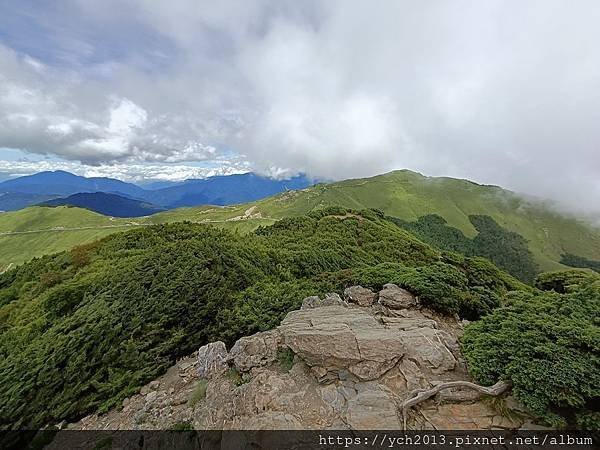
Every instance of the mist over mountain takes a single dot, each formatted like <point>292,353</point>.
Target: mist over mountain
<point>457,89</point>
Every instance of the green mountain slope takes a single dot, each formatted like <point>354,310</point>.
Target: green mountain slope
<point>81,330</point>
<point>409,195</point>
<point>38,231</point>
<point>403,194</point>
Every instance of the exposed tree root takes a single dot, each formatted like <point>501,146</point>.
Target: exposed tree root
<point>420,395</point>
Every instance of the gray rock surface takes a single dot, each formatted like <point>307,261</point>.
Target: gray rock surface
<point>212,359</point>
<point>255,351</point>
<point>360,295</point>
<point>353,367</point>
<point>395,297</point>
<point>331,299</point>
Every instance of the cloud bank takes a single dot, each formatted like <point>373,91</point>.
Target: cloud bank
<point>497,92</point>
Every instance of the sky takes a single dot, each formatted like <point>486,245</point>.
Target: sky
<point>499,92</point>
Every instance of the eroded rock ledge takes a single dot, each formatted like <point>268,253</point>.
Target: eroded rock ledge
<point>338,363</point>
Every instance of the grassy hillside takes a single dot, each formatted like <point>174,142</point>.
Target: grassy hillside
<point>408,195</point>
<point>403,194</point>
<point>38,231</point>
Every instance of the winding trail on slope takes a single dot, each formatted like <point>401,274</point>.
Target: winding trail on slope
<point>46,230</point>
<point>127,225</point>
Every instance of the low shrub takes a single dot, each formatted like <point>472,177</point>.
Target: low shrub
<point>285,358</point>
<point>548,345</point>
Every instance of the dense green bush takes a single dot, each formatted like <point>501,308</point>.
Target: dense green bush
<point>470,287</point>
<point>81,330</point>
<point>548,345</point>
<point>563,281</point>
<point>569,259</point>
<point>506,249</point>
<point>434,230</point>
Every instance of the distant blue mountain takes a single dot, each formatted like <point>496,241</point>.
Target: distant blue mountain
<point>223,190</point>
<point>11,201</point>
<point>107,204</point>
<point>64,183</point>
<point>161,184</point>
<point>220,190</point>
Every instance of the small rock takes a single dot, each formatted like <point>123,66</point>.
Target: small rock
<point>395,297</point>
<point>140,416</point>
<point>151,396</point>
<point>331,299</point>
<point>154,385</point>
<point>310,302</point>
<point>360,295</point>
<point>185,365</point>
<point>212,359</point>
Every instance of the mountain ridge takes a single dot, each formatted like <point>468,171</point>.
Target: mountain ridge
<point>217,190</point>
<point>403,194</point>
<point>107,204</point>
<point>63,183</point>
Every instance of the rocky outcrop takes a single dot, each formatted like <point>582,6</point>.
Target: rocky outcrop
<point>395,297</point>
<point>360,295</point>
<point>212,359</point>
<point>317,302</point>
<point>350,363</point>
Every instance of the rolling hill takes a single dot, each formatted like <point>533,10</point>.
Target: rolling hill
<point>84,329</point>
<point>106,204</point>
<point>403,194</point>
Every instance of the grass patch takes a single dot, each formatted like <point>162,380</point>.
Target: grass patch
<point>199,392</point>
<point>285,358</point>
<point>235,377</point>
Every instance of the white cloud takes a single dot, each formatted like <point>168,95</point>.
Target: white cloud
<point>503,93</point>
<point>127,172</point>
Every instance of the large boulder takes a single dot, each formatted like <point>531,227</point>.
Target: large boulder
<point>257,350</point>
<point>332,338</point>
<point>395,297</point>
<point>212,359</point>
<point>360,295</point>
